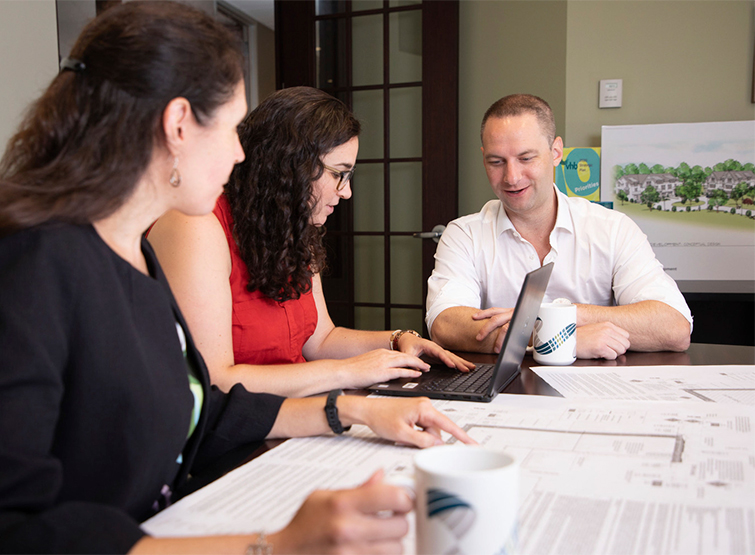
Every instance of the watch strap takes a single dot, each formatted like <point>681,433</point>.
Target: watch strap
<point>331,413</point>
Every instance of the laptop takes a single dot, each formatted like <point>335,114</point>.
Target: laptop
<point>484,382</point>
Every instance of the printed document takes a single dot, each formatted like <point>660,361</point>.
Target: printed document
<point>712,384</point>
<point>596,476</point>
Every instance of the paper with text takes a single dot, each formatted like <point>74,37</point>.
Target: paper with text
<point>717,384</point>
<point>597,477</point>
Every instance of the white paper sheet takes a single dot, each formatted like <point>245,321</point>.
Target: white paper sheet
<point>717,384</point>
<point>597,477</point>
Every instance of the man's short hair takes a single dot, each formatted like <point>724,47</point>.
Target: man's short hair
<point>518,104</point>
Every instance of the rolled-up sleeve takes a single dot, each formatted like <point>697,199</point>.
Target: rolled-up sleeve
<point>454,281</point>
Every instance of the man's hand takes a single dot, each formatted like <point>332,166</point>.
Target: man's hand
<point>602,340</point>
<point>497,322</point>
<point>651,325</point>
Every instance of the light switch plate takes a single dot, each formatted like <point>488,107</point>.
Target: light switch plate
<point>610,93</point>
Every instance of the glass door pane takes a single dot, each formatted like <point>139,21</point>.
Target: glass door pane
<point>368,109</point>
<point>362,5</point>
<point>407,318</point>
<point>368,197</point>
<point>405,34</point>
<point>367,50</point>
<point>369,269</point>
<point>406,122</point>
<point>331,68</point>
<point>369,318</point>
<point>406,196</point>
<point>406,270</point>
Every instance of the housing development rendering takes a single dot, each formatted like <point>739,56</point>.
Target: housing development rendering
<point>728,186</point>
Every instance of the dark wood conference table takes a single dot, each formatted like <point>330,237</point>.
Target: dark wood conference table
<point>527,383</point>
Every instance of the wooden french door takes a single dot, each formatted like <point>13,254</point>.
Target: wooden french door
<point>395,63</point>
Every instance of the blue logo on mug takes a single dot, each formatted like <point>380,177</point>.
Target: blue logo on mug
<point>456,514</point>
<point>547,347</point>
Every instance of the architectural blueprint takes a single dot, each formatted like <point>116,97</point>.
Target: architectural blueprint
<point>596,477</point>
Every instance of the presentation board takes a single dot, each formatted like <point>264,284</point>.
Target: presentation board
<point>691,188</point>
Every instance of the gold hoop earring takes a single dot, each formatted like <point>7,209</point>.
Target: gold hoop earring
<point>175,176</point>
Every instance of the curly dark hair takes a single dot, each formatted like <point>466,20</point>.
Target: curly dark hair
<point>84,145</point>
<point>271,193</point>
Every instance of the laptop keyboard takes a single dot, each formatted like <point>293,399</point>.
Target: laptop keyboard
<point>476,381</point>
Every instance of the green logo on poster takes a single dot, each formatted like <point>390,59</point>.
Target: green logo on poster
<point>579,173</point>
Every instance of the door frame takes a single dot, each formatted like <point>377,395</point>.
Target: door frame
<point>295,23</point>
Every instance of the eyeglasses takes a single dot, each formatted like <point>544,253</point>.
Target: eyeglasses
<point>343,176</point>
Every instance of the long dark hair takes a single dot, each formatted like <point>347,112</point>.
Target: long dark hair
<point>84,145</point>
<point>271,193</point>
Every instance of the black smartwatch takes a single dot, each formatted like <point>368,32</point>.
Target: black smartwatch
<point>331,413</point>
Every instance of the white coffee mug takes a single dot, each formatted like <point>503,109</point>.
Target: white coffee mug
<point>555,335</point>
<point>466,501</point>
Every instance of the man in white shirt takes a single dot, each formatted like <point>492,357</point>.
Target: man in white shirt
<point>603,262</point>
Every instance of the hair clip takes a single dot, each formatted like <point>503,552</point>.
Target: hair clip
<point>72,64</point>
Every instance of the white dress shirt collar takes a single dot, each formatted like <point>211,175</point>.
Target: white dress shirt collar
<point>563,216</point>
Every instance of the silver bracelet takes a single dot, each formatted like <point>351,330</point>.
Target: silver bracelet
<point>260,546</point>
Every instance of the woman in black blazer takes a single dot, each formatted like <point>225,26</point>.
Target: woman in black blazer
<point>105,404</point>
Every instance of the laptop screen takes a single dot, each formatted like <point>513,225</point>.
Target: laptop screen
<point>520,328</point>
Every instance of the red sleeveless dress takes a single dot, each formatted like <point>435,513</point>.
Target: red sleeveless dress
<point>264,331</point>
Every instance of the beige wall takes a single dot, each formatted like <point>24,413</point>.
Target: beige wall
<point>28,60</point>
<point>505,47</point>
<point>681,61</point>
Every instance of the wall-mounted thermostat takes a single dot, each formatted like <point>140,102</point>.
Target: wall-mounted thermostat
<point>610,93</point>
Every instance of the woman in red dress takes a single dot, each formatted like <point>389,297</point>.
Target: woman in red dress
<point>247,277</point>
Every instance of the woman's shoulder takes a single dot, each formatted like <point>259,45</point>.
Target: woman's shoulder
<point>52,243</point>
<point>50,261</point>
